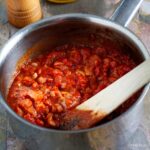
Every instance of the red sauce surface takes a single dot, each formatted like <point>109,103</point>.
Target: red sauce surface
<point>53,83</point>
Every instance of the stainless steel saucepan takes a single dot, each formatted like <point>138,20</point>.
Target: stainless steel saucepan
<point>82,29</point>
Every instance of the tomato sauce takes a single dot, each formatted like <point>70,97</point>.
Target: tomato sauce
<point>49,85</point>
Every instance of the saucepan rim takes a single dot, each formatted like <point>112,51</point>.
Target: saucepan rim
<point>55,19</point>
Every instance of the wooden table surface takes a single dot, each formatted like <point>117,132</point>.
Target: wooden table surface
<point>141,139</point>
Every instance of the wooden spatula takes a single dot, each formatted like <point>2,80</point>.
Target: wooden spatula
<point>102,104</point>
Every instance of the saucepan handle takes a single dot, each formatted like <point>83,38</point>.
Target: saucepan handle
<point>126,11</point>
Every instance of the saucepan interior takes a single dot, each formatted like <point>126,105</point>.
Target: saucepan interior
<point>74,29</point>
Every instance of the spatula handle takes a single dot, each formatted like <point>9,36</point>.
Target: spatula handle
<point>114,95</point>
